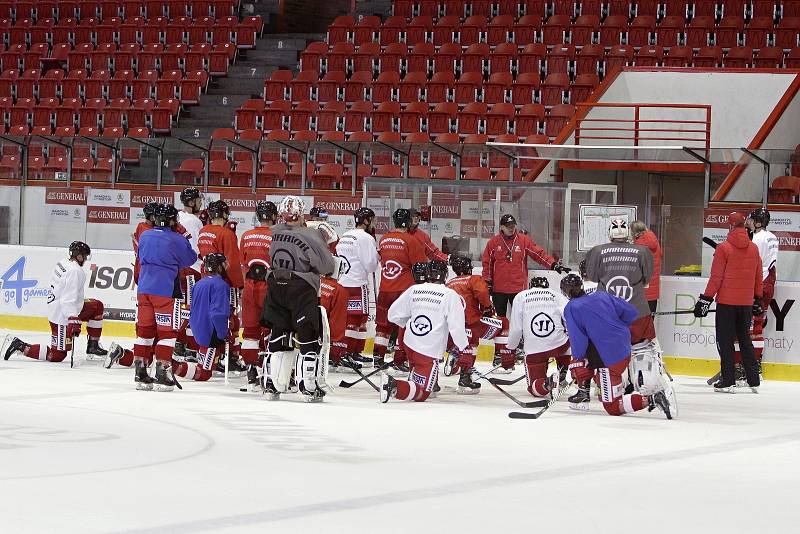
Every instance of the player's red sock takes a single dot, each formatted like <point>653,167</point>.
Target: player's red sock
<point>36,352</point>
<point>191,371</point>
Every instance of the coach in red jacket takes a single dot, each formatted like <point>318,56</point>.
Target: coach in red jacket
<point>736,283</point>
<point>505,263</point>
<point>646,238</point>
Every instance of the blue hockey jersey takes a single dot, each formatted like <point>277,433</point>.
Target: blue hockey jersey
<point>211,307</point>
<point>162,253</point>
<point>602,319</point>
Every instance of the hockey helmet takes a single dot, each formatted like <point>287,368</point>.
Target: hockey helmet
<point>437,272</point>
<point>318,212</point>
<point>363,216</point>
<point>420,272</point>
<point>461,264</point>
<point>79,248</point>
<point>618,229</point>
<point>214,263</point>
<point>189,194</point>
<point>401,218</point>
<point>266,210</point>
<point>540,282</point>
<point>759,216</point>
<point>292,208</point>
<point>165,215</point>
<point>149,210</point>
<point>218,210</point>
<point>572,286</point>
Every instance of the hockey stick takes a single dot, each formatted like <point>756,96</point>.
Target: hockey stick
<point>72,355</point>
<point>522,404</point>
<point>710,242</point>
<point>536,415</point>
<point>502,382</point>
<point>714,378</point>
<point>346,385</point>
<point>680,312</point>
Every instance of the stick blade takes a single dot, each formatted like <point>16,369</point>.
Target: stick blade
<point>524,415</point>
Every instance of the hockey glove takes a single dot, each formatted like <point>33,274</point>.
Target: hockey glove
<point>580,371</point>
<point>702,305</point>
<point>74,327</point>
<point>490,312</point>
<point>757,309</point>
<point>559,267</point>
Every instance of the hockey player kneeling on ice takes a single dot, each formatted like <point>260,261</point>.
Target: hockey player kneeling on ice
<point>67,310</point>
<point>208,318</point>
<point>598,326</point>
<point>298,257</point>
<point>429,312</point>
<point>537,320</point>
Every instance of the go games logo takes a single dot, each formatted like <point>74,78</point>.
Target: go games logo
<point>17,289</point>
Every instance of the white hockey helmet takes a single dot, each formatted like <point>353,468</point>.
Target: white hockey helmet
<point>291,208</point>
<point>618,229</point>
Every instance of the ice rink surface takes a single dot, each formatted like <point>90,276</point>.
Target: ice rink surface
<point>82,451</point>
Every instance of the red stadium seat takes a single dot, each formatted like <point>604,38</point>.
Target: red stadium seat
<point>618,56</point>
<point>497,86</point>
<point>525,88</point>
<point>769,57</point>
<point>670,30</point>
<point>729,31</point>
<point>739,56</point>
<point>437,88</point>
<point>441,119</point>
<point>467,87</point>
<point>709,56</point>
<point>582,87</point>
<point>529,119</point>
<point>558,118</point>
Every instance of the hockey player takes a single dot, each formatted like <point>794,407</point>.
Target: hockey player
<point>211,308</point>
<point>163,253</point>
<point>599,335</point>
<point>398,252</point>
<point>254,247</point>
<point>192,205</point>
<point>429,312</point>
<point>537,319</point>
<point>482,322</point>
<point>624,270</point>
<point>431,251</point>
<point>148,210</point>
<point>505,263</point>
<point>767,245</point>
<point>333,298</point>
<point>359,254</point>
<point>319,220</point>
<point>647,238</point>
<point>67,310</point>
<point>298,258</point>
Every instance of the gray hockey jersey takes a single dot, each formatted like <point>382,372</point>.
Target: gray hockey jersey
<point>622,269</point>
<point>301,250</point>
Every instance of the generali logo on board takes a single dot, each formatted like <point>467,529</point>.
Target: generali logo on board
<point>240,202</point>
<point>108,215</point>
<point>55,195</point>
<point>140,198</point>
<point>340,206</point>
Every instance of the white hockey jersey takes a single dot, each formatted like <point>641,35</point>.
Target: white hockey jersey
<point>193,226</point>
<point>359,252</point>
<point>767,245</point>
<point>328,232</point>
<point>66,292</point>
<point>537,319</point>
<point>430,312</point>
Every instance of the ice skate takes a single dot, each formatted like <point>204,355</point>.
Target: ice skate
<point>436,390</point>
<point>144,382</point>
<point>361,359</point>
<point>253,384</point>
<point>659,400</point>
<point>721,387</point>
<point>466,386</point>
<point>741,377</point>
<point>190,356</point>
<point>562,377</point>
<point>388,387</point>
<point>93,349</point>
<point>501,370</point>
<point>314,395</point>
<point>115,352</point>
<point>179,352</point>
<point>580,400</point>
<point>450,362</point>
<point>15,345</point>
<point>672,399</point>
<point>399,369</point>
<point>754,389</point>
<point>349,363</point>
<point>377,361</point>
<point>269,389</point>
<point>165,380</point>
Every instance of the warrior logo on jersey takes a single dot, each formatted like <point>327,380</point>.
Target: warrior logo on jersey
<point>542,325</point>
<point>421,325</point>
<point>620,286</point>
<point>345,267</point>
<point>283,260</point>
<point>392,269</point>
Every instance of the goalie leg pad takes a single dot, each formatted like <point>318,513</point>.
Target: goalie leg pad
<point>646,369</point>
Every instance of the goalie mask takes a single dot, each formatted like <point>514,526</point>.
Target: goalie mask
<point>618,231</point>
<point>292,208</point>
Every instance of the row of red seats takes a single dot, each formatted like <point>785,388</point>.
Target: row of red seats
<point>462,8</point>
<point>615,29</point>
<point>388,116</point>
<point>139,30</point>
<point>40,168</point>
<point>125,84</point>
<point>51,115</point>
<point>213,59</point>
<point>39,9</point>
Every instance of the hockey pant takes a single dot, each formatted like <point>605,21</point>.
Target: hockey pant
<point>612,391</point>
<point>357,317</point>
<point>200,372</point>
<point>643,329</point>
<point>479,333</point>
<point>760,321</point>
<point>385,328</point>
<point>255,335</point>
<point>60,344</point>
<point>507,356</point>
<point>187,278</point>
<point>536,368</point>
<point>421,380</point>
<point>157,322</point>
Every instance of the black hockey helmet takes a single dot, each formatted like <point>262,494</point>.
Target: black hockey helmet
<point>461,264</point>
<point>759,216</point>
<point>214,263</point>
<point>420,272</point>
<point>149,210</point>
<point>319,212</point>
<point>572,286</point>
<point>540,282</point>
<point>582,268</point>
<point>363,216</point>
<point>401,218</point>
<point>165,215</point>
<point>266,210</point>
<point>189,194</point>
<point>79,247</point>
<point>218,210</point>
<point>437,272</point>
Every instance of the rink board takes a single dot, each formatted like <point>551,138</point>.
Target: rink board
<point>689,343</point>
